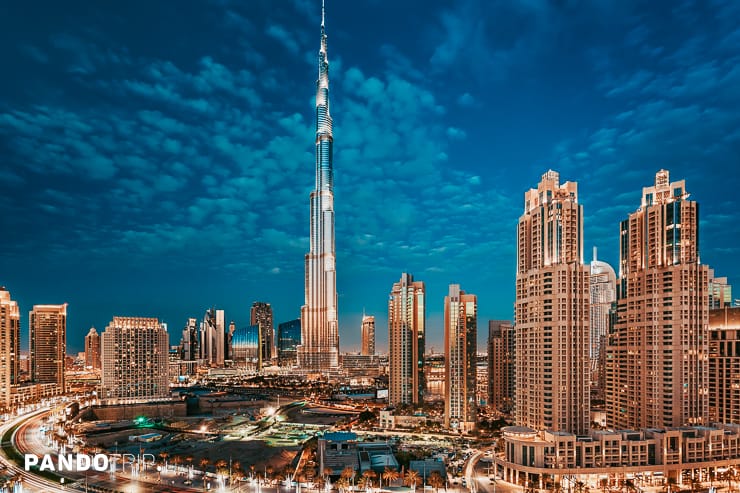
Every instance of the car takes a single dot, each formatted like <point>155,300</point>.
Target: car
<point>187,482</point>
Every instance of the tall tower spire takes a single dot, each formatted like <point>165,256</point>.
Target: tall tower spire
<point>319,349</point>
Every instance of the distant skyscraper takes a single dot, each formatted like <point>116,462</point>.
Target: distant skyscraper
<point>213,338</point>
<point>724,365</point>
<point>603,289</point>
<point>461,358</point>
<point>368,335</point>
<point>552,311</point>
<point>288,340</point>
<point>319,347</point>
<point>720,292</point>
<point>501,364</point>
<point>406,326</point>
<point>189,341</point>
<point>261,315</point>
<point>245,346</point>
<point>92,349</point>
<point>48,331</point>
<point>10,345</point>
<point>657,355</point>
<point>135,354</point>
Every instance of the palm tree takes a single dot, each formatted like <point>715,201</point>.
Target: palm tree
<point>370,475</point>
<point>203,465</point>
<point>364,483</point>
<point>348,473</point>
<point>319,483</point>
<point>327,472</point>
<point>390,474</point>
<point>177,460</point>
<point>342,484</point>
<point>411,479</point>
<point>221,468</point>
<point>435,481</point>
<point>164,456</point>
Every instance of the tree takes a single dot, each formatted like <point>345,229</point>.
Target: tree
<point>163,456</point>
<point>177,460</point>
<point>343,484</point>
<point>319,483</point>
<point>364,483</point>
<point>390,474</point>
<point>370,475</point>
<point>436,481</point>
<point>348,473</point>
<point>411,479</point>
<point>203,465</point>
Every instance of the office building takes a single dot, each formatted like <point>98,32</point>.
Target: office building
<point>261,316</point>
<point>603,297</point>
<point>501,365</point>
<point>461,359</point>
<point>319,347</point>
<point>406,326</point>
<point>189,342</point>
<point>657,354</point>
<point>48,337</point>
<point>213,338</point>
<point>552,311</point>
<point>10,346</point>
<point>368,335</point>
<point>720,292</point>
<point>246,347</point>
<point>135,353</point>
<point>288,340</point>
<point>724,365</point>
<point>92,349</point>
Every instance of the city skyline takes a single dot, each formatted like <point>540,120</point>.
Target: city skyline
<point>161,172</point>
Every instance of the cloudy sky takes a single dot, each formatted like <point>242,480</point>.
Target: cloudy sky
<point>157,157</point>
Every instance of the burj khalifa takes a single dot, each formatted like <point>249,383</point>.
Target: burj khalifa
<point>319,349</point>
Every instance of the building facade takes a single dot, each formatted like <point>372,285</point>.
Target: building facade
<point>48,343</point>
<point>368,335</point>
<point>288,340</point>
<point>135,360</point>
<point>319,347</point>
<point>657,354</point>
<point>261,316</point>
<point>461,359</point>
<point>406,336</point>
<point>724,365</point>
<point>246,347</point>
<point>720,292</point>
<point>92,349</point>
<point>10,346</point>
<point>189,342</point>
<point>213,338</point>
<point>552,311</point>
<point>501,365</point>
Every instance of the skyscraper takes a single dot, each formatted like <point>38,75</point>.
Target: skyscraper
<point>189,342</point>
<point>319,347</point>
<point>406,326</point>
<point>368,335</point>
<point>245,346</point>
<point>461,358</point>
<point>48,336</point>
<point>658,348</point>
<point>724,365</point>
<point>501,364</point>
<point>603,295</point>
<point>552,310</point>
<point>261,315</point>
<point>92,349</point>
<point>288,340</point>
<point>213,338</point>
<point>10,345</point>
<point>135,359</point>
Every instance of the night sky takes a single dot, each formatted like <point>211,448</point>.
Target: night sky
<point>157,157</point>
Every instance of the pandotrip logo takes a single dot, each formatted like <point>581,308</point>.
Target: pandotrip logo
<point>84,462</point>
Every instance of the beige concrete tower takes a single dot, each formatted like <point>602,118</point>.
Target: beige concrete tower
<point>406,326</point>
<point>724,365</point>
<point>48,335</point>
<point>461,358</point>
<point>135,359</point>
<point>552,310</point>
<point>368,335</point>
<point>92,349</point>
<point>657,352</point>
<point>10,346</point>
<point>501,364</point>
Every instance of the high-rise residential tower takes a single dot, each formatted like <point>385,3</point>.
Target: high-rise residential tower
<point>135,359</point>
<point>406,328</point>
<point>48,337</point>
<point>319,347</point>
<point>552,311</point>
<point>261,315</point>
<point>461,358</point>
<point>92,349</point>
<point>724,365</point>
<point>658,348</point>
<point>501,364</point>
<point>368,335</point>
<point>603,296</point>
<point>10,345</point>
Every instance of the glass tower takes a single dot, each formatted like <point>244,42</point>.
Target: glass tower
<point>319,347</point>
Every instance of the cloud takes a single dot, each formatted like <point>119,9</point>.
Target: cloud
<point>284,37</point>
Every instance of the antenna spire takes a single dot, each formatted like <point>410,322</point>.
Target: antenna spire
<point>322,15</point>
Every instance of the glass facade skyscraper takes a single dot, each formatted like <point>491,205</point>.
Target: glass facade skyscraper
<point>288,340</point>
<point>245,346</point>
<point>319,347</point>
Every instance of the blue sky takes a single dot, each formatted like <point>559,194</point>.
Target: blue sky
<point>157,157</point>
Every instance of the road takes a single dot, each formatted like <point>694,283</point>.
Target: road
<point>477,476</point>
